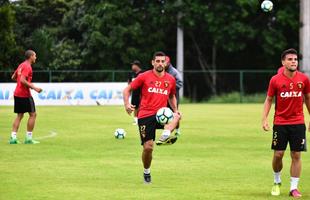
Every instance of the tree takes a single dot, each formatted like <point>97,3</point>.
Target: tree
<point>8,45</point>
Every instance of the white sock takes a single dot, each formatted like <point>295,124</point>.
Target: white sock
<point>277,177</point>
<point>29,135</point>
<point>147,171</point>
<point>14,135</point>
<point>294,183</point>
<point>166,133</point>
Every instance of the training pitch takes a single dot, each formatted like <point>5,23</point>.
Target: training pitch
<point>221,154</point>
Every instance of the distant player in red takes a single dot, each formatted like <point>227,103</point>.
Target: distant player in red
<point>290,89</point>
<point>157,87</point>
<point>23,101</point>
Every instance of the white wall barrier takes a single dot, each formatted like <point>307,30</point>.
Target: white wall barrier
<point>69,93</point>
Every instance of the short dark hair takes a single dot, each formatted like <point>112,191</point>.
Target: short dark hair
<point>136,62</point>
<point>29,53</point>
<point>158,53</point>
<point>288,51</point>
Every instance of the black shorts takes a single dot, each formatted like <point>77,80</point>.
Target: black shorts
<point>295,135</point>
<point>135,98</point>
<point>147,128</point>
<point>24,104</point>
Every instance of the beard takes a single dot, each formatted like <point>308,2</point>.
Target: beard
<point>159,69</point>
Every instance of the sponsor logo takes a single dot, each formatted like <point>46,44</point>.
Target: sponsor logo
<point>300,85</point>
<point>290,94</point>
<point>157,90</point>
<point>166,84</point>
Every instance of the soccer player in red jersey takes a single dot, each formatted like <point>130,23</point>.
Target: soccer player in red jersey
<point>23,101</point>
<point>157,87</point>
<point>290,89</point>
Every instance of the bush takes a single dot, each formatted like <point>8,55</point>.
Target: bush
<point>235,97</point>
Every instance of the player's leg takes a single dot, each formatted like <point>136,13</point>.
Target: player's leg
<point>297,142</point>
<point>147,129</point>
<point>279,143</point>
<point>166,137</point>
<point>277,165</point>
<point>15,127</point>
<point>31,122</point>
<point>177,129</point>
<point>19,110</point>
<point>295,173</point>
<point>147,156</point>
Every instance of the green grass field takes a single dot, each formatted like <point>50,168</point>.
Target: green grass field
<point>221,154</point>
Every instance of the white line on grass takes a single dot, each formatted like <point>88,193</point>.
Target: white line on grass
<point>51,134</point>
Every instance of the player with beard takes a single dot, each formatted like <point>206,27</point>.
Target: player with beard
<point>157,87</point>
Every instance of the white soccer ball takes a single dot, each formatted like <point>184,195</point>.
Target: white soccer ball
<point>120,133</point>
<point>164,115</point>
<point>267,5</point>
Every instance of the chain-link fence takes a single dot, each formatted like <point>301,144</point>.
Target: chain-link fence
<point>198,85</point>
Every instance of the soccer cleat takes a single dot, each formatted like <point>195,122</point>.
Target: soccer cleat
<point>13,141</point>
<point>295,194</point>
<point>166,140</point>
<point>275,190</point>
<point>31,141</point>
<point>147,178</point>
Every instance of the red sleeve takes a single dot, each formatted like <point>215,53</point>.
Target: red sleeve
<point>272,88</point>
<point>307,86</point>
<point>173,87</point>
<point>138,82</point>
<point>25,71</point>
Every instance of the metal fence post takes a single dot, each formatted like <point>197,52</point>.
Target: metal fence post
<point>241,85</point>
<point>113,75</point>
<point>50,75</point>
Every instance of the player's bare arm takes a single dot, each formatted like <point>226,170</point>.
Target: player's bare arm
<point>307,102</point>
<point>13,77</point>
<point>128,106</point>
<point>267,106</point>
<point>173,103</point>
<point>24,81</point>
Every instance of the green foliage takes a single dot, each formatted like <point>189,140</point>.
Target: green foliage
<point>110,34</point>
<point>236,97</point>
<point>8,46</point>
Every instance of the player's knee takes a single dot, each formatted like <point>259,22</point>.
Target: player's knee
<point>295,155</point>
<point>20,116</point>
<point>148,147</point>
<point>33,114</point>
<point>278,155</point>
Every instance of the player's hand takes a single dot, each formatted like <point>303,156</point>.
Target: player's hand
<point>265,125</point>
<point>179,114</point>
<point>38,90</point>
<point>129,108</point>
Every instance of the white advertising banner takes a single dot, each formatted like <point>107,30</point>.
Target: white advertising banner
<point>69,93</point>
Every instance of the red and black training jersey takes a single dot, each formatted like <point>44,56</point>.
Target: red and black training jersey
<point>24,69</point>
<point>289,97</point>
<point>155,91</point>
